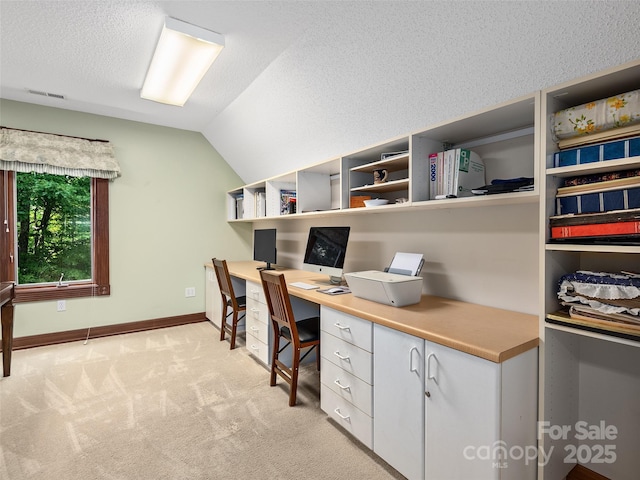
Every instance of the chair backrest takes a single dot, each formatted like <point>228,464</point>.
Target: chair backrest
<point>224,280</point>
<point>278,301</point>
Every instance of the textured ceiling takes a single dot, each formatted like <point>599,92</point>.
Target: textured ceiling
<point>96,53</point>
<point>304,81</point>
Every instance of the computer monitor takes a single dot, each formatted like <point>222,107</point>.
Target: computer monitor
<point>264,247</point>
<point>326,249</point>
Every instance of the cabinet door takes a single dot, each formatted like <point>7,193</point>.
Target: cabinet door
<point>212,300</point>
<point>398,411</point>
<point>462,418</point>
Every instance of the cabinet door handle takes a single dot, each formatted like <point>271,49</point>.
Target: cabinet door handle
<point>411,367</point>
<point>341,327</point>
<point>337,382</point>
<point>346,418</point>
<point>346,359</point>
<point>429,376</point>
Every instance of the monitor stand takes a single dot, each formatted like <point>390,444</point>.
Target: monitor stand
<point>268,267</point>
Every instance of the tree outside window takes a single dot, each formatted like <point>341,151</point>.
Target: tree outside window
<point>53,228</point>
<point>54,200</point>
<point>55,224</point>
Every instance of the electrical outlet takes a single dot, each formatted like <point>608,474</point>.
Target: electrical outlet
<point>62,305</point>
<point>190,292</point>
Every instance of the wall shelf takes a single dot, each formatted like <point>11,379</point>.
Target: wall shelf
<point>595,167</point>
<point>391,186</point>
<point>504,136</point>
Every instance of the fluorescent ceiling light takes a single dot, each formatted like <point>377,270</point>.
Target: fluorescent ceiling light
<point>183,55</point>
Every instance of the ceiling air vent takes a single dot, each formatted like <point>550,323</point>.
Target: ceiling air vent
<point>46,94</point>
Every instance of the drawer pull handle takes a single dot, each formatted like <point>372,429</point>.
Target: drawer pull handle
<point>346,359</point>
<point>337,382</point>
<point>254,347</point>
<point>346,418</point>
<point>255,329</point>
<point>255,310</point>
<point>341,327</point>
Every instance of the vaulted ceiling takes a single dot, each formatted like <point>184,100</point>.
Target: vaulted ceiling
<point>95,54</point>
<point>302,81</point>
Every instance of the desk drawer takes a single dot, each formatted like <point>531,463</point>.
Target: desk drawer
<point>257,311</point>
<point>257,329</point>
<point>347,327</point>
<point>355,421</point>
<point>347,386</point>
<point>255,292</point>
<point>258,349</point>
<point>350,358</point>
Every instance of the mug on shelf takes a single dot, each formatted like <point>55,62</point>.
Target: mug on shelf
<point>380,175</point>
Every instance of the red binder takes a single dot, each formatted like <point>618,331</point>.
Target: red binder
<point>596,230</point>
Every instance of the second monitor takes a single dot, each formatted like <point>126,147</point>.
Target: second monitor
<point>326,250</point>
<point>264,247</point>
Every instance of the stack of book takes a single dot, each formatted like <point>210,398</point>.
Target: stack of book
<point>287,202</point>
<point>261,204</point>
<point>240,206</point>
<point>598,208</point>
<point>598,152</point>
<point>617,226</point>
<point>454,173</point>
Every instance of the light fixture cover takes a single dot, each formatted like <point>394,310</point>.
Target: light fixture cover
<point>183,55</point>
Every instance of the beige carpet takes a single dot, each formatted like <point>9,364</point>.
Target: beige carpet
<point>173,403</point>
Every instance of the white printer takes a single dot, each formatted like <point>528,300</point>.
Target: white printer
<point>397,289</point>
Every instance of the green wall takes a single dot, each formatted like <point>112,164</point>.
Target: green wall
<point>167,218</point>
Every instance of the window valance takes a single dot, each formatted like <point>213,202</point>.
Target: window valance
<point>26,151</point>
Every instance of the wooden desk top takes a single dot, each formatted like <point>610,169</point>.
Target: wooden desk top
<point>490,333</point>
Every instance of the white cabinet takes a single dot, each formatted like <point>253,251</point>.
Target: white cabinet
<point>212,299</point>
<point>398,426</point>
<point>473,408</point>
<point>346,372</point>
<point>439,412</point>
<point>258,327</point>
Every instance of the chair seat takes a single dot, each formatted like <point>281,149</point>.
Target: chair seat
<point>308,330</point>
<point>242,301</point>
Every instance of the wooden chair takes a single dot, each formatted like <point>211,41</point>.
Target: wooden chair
<point>229,300</point>
<point>301,335</point>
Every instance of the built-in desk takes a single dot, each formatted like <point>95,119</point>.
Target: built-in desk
<point>429,386</point>
<point>490,333</point>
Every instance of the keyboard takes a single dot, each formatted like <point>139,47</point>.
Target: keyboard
<point>304,286</point>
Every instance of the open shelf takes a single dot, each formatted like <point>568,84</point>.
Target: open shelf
<point>583,363</point>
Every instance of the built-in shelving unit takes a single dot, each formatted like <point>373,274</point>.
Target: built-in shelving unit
<point>504,136</point>
<point>585,375</point>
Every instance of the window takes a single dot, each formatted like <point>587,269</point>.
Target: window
<point>55,224</point>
